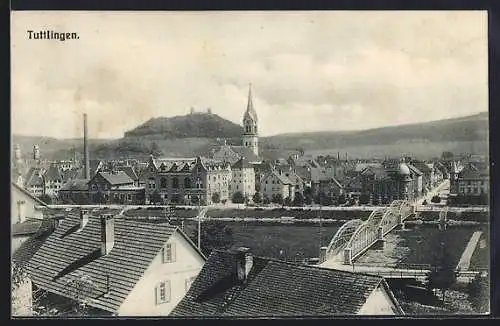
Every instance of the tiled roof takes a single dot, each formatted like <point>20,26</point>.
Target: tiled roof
<point>424,168</point>
<point>69,253</point>
<point>283,179</point>
<point>246,152</point>
<point>75,184</point>
<point>53,173</point>
<point>471,173</point>
<point>362,166</point>
<point>129,171</point>
<point>242,163</point>
<point>414,169</point>
<point>116,178</point>
<point>33,177</point>
<point>28,248</point>
<point>273,288</point>
<point>27,227</point>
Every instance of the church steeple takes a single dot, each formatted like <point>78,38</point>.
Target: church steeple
<point>250,133</point>
<point>250,112</point>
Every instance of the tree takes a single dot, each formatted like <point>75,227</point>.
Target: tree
<point>298,200</point>
<point>19,276</point>
<point>216,198</point>
<point>436,199</point>
<point>214,235</point>
<point>155,198</point>
<point>238,198</point>
<point>257,198</point>
<point>266,200</point>
<point>341,199</point>
<point>424,202</point>
<point>364,199</point>
<point>308,200</point>
<point>277,199</point>
<point>155,150</point>
<point>287,201</point>
<point>46,199</point>
<point>442,274</point>
<point>447,155</point>
<point>479,294</point>
<point>325,199</point>
<point>195,199</point>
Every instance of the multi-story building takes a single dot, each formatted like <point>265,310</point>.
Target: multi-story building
<point>386,182</point>
<point>191,180</point>
<point>276,183</point>
<point>472,185</point>
<point>243,178</point>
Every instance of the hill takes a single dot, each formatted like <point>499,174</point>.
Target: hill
<point>195,125</point>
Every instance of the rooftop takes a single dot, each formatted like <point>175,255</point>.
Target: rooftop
<point>68,253</point>
<point>274,288</point>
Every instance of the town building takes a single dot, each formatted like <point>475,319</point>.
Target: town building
<point>243,178</point>
<point>275,183</point>
<point>472,185</point>
<point>115,265</point>
<point>113,187</point>
<point>381,183</point>
<point>189,181</point>
<point>234,283</point>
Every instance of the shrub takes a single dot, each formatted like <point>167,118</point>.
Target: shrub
<point>287,201</point>
<point>277,199</point>
<point>238,198</point>
<point>257,198</point>
<point>436,199</point>
<point>298,200</point>
<point>216,198</point>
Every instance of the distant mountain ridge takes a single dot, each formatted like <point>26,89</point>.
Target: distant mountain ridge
<point>469,128</point>
<point>196,134</point>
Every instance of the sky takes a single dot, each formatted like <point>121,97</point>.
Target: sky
<point>310,71</point>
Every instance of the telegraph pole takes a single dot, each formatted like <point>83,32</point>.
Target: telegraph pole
<point>199,225</point>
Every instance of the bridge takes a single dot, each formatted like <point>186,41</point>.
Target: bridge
<point>356,236</point>
<point>401,271</point>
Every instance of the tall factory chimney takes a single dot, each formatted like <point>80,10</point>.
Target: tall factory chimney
<point>86,165</point>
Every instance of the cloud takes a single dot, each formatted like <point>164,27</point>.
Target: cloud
<point>317,70</point>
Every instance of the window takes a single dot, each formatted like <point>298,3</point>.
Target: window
<point>129,197</point>
<point>175,183</point>
<point>169,253</point>
<point>163,292</point>
<point>187,183</point>
<point>163,182</point>
<point>151,183</point>
<point>94,187</point>
<point>189,282</point>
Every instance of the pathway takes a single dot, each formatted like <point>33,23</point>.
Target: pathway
<point>464,263</point>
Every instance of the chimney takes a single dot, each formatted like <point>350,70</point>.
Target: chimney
<point>86,165</point>
<point>244,263</point>
<point>84,218</point>
<point>107,233</point>
<point>36,152</point>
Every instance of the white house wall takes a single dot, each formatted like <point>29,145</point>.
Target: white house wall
<point>378,303</point>
<point>21,211</point>
<point>142,299</point>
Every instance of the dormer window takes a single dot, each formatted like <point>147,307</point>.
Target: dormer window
<point>168,253</point>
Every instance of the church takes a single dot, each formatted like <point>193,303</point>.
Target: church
<point>249,149</point>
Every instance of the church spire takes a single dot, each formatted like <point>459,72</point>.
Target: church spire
<point>251,113</point>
